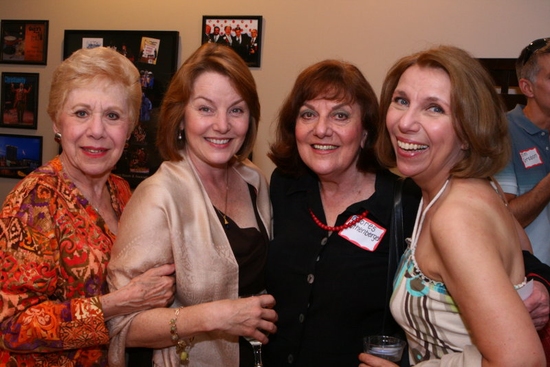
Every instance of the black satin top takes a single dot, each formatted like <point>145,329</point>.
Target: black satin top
<point>249,246</point>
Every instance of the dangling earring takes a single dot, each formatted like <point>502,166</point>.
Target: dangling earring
<point>179,135</point>
<point>363,140</point>
<point>57,137</point>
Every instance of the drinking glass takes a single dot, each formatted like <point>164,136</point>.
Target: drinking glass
<point>256,344</point>
<point>257,347</point>
<point>387,347</point>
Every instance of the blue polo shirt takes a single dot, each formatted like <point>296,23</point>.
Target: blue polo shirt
<point>530,163</point>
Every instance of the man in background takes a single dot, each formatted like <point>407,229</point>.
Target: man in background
<point>216,38</point>
<point>227,38</point>
<point>206,35</point>
<point>241,41</point>
<point>526,179</point>
<point>253,49</point>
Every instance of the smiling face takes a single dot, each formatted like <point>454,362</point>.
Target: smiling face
<point>216,121</point>
<point>94,124</point>
<point>420,123</point>
<point>329,136</point>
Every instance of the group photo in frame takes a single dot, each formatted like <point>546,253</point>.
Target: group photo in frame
<point>242,33</point>
<point>19,102</point>
<point>24,42</point>
<point>155,55</point>
<point>19,155</point>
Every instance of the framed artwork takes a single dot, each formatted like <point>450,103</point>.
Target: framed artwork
<point>24,42</point>
<point>19,155</point>
<point>242,33</point>
<point>19,100</point>
<point>155,54</point>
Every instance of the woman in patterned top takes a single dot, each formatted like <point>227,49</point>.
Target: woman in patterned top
<point>458,291</point>
<point>58,225</point>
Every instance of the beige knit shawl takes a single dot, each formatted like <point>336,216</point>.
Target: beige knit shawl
<point>170,219</point>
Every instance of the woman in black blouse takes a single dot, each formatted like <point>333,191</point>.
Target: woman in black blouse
<point>328,264</point>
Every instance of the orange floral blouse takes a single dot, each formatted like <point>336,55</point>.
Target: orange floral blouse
<point>54,250</point>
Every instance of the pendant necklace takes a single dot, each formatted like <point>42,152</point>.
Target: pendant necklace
<point>225,221</point>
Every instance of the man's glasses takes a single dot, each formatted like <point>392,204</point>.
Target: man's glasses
<point>531,49</point>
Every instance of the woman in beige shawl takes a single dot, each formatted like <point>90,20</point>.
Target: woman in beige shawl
<point>207,211</point>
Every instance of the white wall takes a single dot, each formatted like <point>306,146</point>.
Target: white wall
<point>370,33</point>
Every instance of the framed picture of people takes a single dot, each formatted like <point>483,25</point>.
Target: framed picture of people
<point>241,33</point>
<point>19,101</point>
<point>24,42</point>
<point>155,54</point>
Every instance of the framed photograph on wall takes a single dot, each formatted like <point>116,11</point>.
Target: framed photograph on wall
<point>24,42</point>
<point>241,33</point>
<point>19,155</point>
<point>19,101</point>
<point>155,54</point>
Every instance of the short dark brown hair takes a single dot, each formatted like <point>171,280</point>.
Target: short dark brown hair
<point>478,113</point>
<point>333,80</point>
<point>210,57</point>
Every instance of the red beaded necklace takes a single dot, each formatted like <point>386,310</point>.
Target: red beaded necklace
<point>338,228</point>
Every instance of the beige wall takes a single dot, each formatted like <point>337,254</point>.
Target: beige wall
<point>370,33</point>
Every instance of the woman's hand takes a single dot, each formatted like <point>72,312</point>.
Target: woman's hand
<point>538,305</point>
<point>251,316</point>
<point>152,289</point>
<point>368,360</point>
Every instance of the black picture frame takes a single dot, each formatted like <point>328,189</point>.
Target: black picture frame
<point>19,100</point>
<point>19,154</point>
<point>155,54</point>
<point>24,41</point>
<point>249,50</point>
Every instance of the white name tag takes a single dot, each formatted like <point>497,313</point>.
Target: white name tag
<point>530,157</point>
<point>364,234</point>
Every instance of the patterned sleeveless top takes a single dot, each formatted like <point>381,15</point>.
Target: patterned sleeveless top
<point>424,308</point>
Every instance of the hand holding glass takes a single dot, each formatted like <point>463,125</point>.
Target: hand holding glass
<point>386,347</point>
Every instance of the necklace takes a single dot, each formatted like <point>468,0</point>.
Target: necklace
<point>225,221</point>
<point>340,227</point>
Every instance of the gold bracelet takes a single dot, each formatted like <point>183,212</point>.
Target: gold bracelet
<point>182,345</point>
